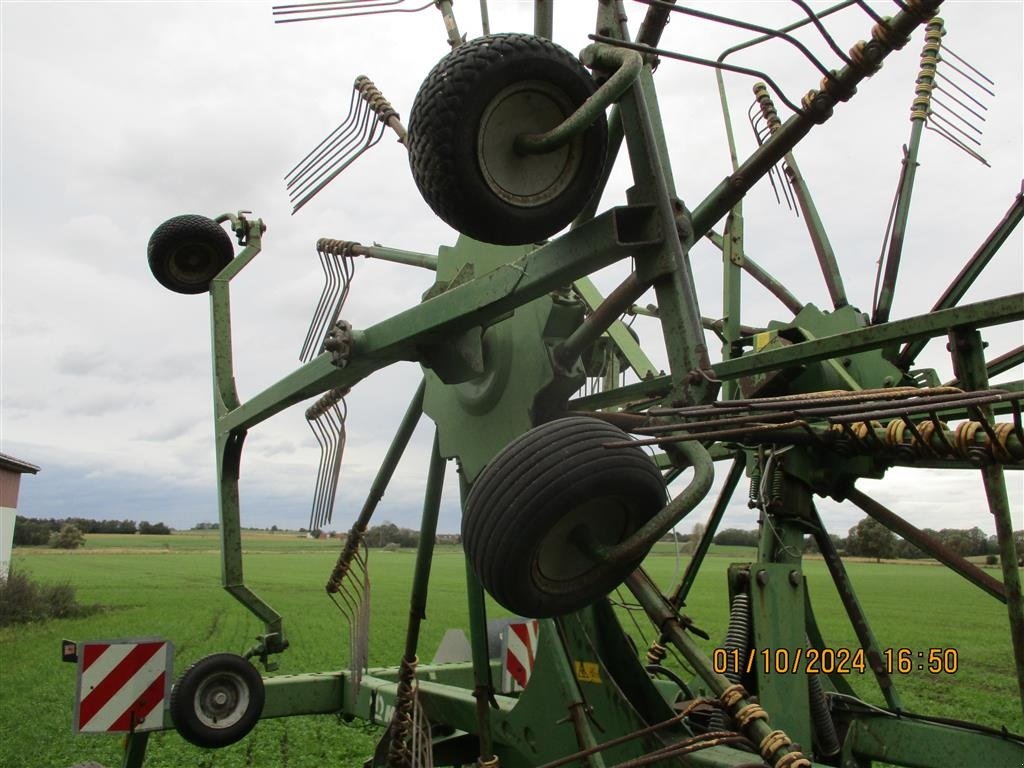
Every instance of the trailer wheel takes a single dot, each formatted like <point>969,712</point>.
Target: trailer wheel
<point>217,700</point>
<point>463,124</point>
<point>524,510</point>
<point>185,253</point>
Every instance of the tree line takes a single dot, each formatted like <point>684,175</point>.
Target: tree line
<point>869,538</point>
<point>30,531</point>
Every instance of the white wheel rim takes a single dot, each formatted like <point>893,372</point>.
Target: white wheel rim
<point>221,700</point>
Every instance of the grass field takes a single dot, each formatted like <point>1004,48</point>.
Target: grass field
<point>169,586</point>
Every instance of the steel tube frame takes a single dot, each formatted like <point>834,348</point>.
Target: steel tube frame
<point>997,311</point>
<point>614,235</point>
<point>905,187</point>
<point>858,619</point>
<point>970,272</point>
<point>969,365</point>
<point>928,544</point>
<point>678,597</point>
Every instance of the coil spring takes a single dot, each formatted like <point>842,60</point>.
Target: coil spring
<point>737,638</point>
<point>826,738</point>
<point>754,494</point>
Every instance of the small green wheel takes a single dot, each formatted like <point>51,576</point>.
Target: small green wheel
<point>463,125</point>
<point>522,519</point>
<point>186,253</point>
<point>217,700</point>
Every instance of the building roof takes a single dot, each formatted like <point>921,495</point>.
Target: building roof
<point>16,465</point>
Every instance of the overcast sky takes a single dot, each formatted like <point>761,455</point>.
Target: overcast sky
<point>117,116</point>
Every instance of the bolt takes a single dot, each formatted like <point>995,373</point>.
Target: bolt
<point>794,578</point>
<point>762,577</point>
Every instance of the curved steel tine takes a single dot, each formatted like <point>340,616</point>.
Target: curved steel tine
<point>327,157</point>
<point>348,116</point>
<point>371,131</point>
<point>305,352</point>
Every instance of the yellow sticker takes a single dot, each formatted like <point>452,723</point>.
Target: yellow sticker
<point>761,340</point>
<point>587,671</point>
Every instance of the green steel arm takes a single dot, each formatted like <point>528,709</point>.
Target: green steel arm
<point>907,740</point>
<point>1004,309</point>
<point>395,255</point>
<point>969,365</point>
<point>777,289</point>
<point>918,117</point>
<point>858,619</point>
<point>928,544</point>
<point>668,268</point>
<point>982,314</point>
<point>678,597</point>
<point>613,235</point>
<point>956,290</point>
<point>817,109</point>
<point>229,446</point>
<point>626,66</point>
<point>819,238</point>
<point>631,350</point>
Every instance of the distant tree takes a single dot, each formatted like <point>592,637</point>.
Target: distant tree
<point>869,538</point>
<point>811,544</point>
<point>30,533</point>
<point>737,537</point>
<point>907,551</point>
<point>153,529</point>
<point>696,534</point>
<point>69,536</point>
<point>273,528</point>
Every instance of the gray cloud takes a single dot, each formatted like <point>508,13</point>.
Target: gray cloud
<point>170,108</point>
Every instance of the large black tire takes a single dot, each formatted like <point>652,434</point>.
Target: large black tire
<point>185,253</point>
<point>463,123</point>
<point>518,525</point>
<point>217,700</point>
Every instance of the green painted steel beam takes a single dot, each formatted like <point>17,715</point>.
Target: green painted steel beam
<point>969,365</point>
<point>818,109</point>
<point>777,613</point>
<point>921,744</point>
<point>997,311</point>
<point>396,256</point>
<point>619,333</point>
<point>752,268</point>
<point>972,269</point>
<point>614,235</point>
<point>905,188</point>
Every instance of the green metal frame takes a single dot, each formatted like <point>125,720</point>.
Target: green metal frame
<point>589,690</point>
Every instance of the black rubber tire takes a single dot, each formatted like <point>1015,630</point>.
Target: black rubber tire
<point>444,127</point>
<point>185,253</point>
<point>557,473</point>
<point>236,677</point>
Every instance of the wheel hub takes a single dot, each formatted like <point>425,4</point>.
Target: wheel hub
<point>522,180</point>
<point>191,263</point>
<point>221,700</point>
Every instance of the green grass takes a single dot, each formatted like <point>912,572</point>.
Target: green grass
<point>169,586</point>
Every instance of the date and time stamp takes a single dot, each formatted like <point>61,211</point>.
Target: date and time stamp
<point>829,661</point>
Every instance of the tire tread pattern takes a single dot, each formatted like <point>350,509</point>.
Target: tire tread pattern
<point>440,108</point>
<point>547,467</point>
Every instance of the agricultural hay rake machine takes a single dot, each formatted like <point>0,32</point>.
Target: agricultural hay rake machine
<point>563,469</point>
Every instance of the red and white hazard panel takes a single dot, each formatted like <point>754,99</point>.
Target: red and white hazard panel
<point>519,652</point>
<point>123,685</point>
